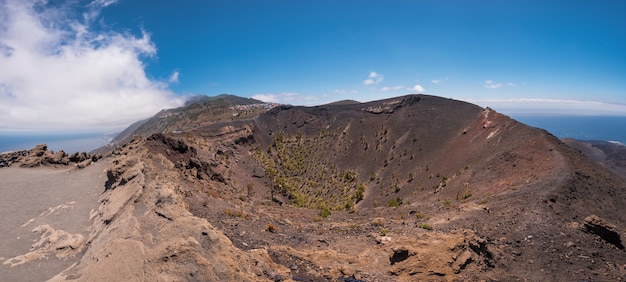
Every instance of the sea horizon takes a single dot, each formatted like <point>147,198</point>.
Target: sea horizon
<point>586,128</point>
<point>67,142</point>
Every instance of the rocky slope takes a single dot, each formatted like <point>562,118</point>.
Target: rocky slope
<point>611,155</point>
<point>416,188</point>
<point>198,111</point>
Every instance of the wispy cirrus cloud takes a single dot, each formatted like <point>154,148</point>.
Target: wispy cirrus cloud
<point>58,73</point>
<point>103,3</point>
<point>175,77</point>
<point>438,81</point>
<point>374,78</point>
<point>344,91</point>
<point>489,84</point>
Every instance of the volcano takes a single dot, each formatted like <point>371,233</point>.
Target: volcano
<point>412,188</point>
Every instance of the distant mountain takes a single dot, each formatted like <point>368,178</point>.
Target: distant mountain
<point>198,111</point>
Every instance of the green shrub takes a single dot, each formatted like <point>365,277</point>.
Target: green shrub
<point>395,202</point>
<point>360,192</point>
<point>420,215</point>
<point>324,212</point>
<point>426,226</point>
<point>466,195</point>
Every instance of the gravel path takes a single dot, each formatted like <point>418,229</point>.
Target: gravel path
<point>32,197</point>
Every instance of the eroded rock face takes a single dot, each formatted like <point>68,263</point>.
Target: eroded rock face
<point>8,159</point>
<point>52,242</point>
<point>444,255</point>
<point>607,231</point>
<point>143,231</point>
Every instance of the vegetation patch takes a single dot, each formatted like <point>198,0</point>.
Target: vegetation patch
<point>324,212</point>
<point>395,202</point>
<point>466,195</point>
<point>299,170</point>
<point>234,213</point>
<point>425,226</point>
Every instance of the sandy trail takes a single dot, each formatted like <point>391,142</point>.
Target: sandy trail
<point>48,198</point>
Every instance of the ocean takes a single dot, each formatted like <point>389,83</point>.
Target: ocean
<point>70,143</point>
<point>600,128</point>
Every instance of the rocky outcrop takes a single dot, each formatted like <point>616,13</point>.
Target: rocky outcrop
<point>607,231</point>
<point>452,253</point>
<point>10,158</point>
<point>41,156</point>
<point>143,231</point>
<point>58,242</point>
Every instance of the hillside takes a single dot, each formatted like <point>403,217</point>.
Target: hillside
<point>198,111</point>
<point>608,154</point>
<point>414,188</point>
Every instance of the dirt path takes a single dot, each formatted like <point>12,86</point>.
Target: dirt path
<point>56,203</point>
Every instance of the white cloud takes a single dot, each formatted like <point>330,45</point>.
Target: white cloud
<point>489,84</point>
<point>417,88</point>
<point>438,81</point>
<point>374,78</point>
<point>344,91</point>
<point>286,98</point>
<point>59,74</point>
<point>174,78</point>
<point>397,87</point>
<point>103,3</point>
<point>543,106</point>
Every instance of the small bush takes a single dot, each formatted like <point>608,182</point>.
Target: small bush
<point>395,202</point>
<point>234,213</point>
<point>324,212</point>
<point>466,195</point>
<point>379,221</point>
<point>360,192</point>
<point>426,226</point>
<point>420,215</point>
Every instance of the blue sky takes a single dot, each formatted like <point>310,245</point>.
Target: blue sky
<point>518,57</point>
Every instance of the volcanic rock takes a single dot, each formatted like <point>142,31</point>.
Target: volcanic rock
<point>608,232</point>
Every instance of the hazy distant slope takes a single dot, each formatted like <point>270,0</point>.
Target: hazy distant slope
<point>609,154</point>
<point>198,111</point>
